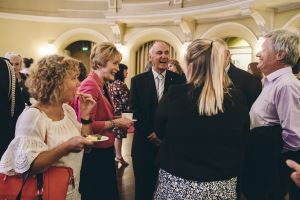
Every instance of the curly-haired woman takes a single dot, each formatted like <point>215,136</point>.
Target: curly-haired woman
<point>48,133</point>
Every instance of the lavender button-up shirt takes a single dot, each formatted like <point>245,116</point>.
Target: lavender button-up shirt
<point>279,103</point>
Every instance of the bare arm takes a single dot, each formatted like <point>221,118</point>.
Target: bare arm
<point>47,158</point>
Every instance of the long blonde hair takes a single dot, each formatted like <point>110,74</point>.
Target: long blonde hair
<point>205,66</point>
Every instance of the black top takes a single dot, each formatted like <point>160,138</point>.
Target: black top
<point>8,122</point>
<point>198,147</point>
<point>143,103</point>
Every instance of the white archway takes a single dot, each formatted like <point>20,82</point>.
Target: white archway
<point>231,29</point>
<point>292,22</point>
<point>77,34</point>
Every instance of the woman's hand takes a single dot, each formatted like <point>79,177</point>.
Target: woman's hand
<point>77,144</point>
<point>123,122</point>
<point>86,105</point>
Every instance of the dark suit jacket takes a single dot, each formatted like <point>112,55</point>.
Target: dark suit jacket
<point>250,86</point>
<point>8,123</point>
<point>198,147</point>
<point>261,174</point>
<point>143,100</point>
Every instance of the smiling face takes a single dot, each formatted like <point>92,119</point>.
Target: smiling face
<point>160,56</point>
<point>70,86</point>
<point>110,69</point>
<point>16,62</point>
<point>268,58</point>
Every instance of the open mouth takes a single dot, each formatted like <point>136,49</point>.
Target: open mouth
<point>113,73</point>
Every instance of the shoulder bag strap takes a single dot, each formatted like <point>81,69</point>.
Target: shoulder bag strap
<point>25,178</point>
<point>39,177</point>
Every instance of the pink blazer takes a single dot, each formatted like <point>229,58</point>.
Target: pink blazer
<point>103,110</point>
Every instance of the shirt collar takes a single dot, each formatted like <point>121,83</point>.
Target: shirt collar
<point>155,74</point>
<point>227,68</point>
<point>278,73</point>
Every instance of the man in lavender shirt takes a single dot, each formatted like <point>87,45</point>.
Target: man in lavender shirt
<point>279,101</point>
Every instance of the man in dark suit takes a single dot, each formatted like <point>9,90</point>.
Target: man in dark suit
<point>11,103</point>
<point>250,86</point>
<point>146,91</point>
<point>242,80</point>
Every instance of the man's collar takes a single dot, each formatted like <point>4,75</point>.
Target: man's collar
<point>227,68</point>
<point>155,74</point>
<point>279,72</point>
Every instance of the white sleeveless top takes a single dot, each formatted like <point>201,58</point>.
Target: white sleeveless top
<point>28,143</point>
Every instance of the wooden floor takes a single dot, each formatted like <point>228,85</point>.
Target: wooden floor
<point>125,175</point>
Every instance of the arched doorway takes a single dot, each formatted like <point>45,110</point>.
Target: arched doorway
<point>231,29</point>
<point>80,50</point>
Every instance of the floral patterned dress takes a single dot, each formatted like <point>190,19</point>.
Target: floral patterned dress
<point>120,95</point>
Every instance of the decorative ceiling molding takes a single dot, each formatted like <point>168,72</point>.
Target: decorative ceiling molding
<point>188,28</point>
<point>260,21</point>
<point>118,30</point>
<point>220,6</point>
<point>36,18</point>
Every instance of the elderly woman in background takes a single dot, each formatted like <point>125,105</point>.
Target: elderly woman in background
<point>16,61</point>
<point>252,69</point>
<point>120,96</point>
<point>98,174</point>
<point>48,133</point>
<point>202,125</point>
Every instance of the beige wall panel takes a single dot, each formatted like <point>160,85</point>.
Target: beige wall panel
<point>28,37</point>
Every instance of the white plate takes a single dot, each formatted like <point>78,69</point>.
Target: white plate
<point>103,138</point>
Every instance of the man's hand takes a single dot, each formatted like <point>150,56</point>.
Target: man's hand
<point>295,176</point>
<point>154,139</point>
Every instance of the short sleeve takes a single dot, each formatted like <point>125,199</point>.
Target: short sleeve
<point>27,144</point>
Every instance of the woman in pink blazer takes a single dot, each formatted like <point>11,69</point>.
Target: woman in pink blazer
<point>98,175</point>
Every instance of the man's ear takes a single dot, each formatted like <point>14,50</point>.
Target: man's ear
<point>281,55</point>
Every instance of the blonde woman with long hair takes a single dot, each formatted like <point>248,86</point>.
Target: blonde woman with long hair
<point>202,125</point>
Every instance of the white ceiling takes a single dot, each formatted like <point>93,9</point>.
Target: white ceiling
<point>142,12</point>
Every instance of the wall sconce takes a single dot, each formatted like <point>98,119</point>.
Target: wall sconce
<point>184,48</point>
<point>123,50</point>
<point>48,49</point>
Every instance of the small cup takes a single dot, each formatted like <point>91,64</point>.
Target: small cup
<point>127,115</point>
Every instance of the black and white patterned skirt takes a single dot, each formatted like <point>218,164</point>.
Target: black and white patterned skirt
<point>171,187</point>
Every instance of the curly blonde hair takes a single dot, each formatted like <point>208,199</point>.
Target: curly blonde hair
<point>101,53</point>
<point>45,83</point>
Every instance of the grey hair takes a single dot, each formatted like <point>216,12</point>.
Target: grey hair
<point>156,41</point>
<point>11,54</point>
<point>284,40</point>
